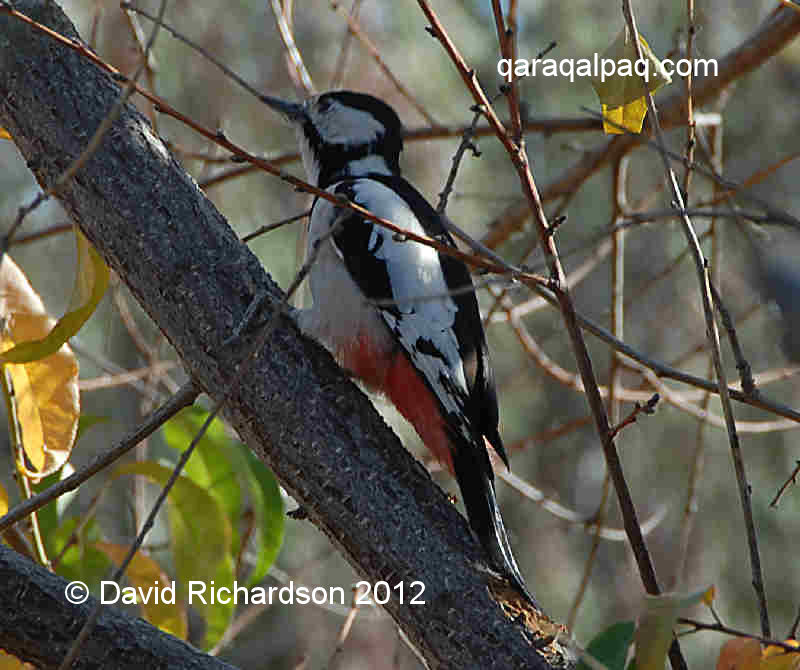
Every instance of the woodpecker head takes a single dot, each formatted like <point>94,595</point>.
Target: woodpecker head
<point>344,134</point>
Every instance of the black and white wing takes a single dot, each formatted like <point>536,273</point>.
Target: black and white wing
<point>421,298</point>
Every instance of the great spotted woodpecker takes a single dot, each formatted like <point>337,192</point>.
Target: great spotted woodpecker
<point>395,312</point>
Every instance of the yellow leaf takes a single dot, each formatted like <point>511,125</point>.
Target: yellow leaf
<point>43,393</point>
<point>4,134</point>
<point>777,658</point>
<point>621,91</point>
<point>616,120</point>
<point>144,573</point>
<point>709,595</point>
<point>740,653</point>
<point>9,662</point>
<point>3,500</point>
<point>772,649</point>
<point>91,281</point>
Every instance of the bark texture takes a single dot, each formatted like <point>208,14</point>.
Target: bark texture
<point>38,624</point>
<point>293,406</point>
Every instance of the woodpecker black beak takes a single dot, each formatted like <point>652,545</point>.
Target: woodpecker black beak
<point>293,112</point>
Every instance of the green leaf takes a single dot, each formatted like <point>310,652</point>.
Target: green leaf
<point>82,560</point>
<point>270,515</point>
<point>218,615</point>
<point>226,468</point>
<point>49,514</point>
<point>201,533</point>
<point>223,463</point>
<point>91,280</point>
<point>611,646</point>
<point>200,537</point>
<point>654,634</point>
<point>210,465</point>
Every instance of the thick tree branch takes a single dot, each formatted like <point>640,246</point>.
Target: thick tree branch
<point>38,624</point>
<point>293,406</point>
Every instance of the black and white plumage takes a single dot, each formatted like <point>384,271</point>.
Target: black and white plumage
<point>393,311</point>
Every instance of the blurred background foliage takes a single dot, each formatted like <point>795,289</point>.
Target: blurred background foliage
<point>659,453</point>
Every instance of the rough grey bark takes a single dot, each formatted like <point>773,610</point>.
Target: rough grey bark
<point>292,406</point>
<point>38,624</point>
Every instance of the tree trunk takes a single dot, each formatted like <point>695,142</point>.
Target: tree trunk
<point>292,405</point>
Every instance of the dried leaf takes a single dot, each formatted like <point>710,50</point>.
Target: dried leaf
<point>777,658</point>
<point>622,93</point>
<point>43,393</point>
<point>3,500</point>
<point>91,281</point>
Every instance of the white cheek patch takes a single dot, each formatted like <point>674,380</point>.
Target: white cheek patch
<point>346,125</point>
<point>310,161</point>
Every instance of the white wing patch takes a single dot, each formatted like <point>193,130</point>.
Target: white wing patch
<point>424,325</point>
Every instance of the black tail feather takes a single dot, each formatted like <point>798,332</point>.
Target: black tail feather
<point>476,481</point>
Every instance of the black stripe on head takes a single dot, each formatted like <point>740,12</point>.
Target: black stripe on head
<point>380,135</point>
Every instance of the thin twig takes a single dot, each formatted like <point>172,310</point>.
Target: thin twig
<point>791,480</point>
<point>125,378</point>
<point>745,373</point>
<point>573,279</point>
<point>777,214</point>
<point>268,228</point>
<point>713,337</point>
<point>355,28</point>
<point>591,558</point>
<point>151,65</point>
<point>466,143</point>
<point>590,524</point>
<point>183,398</point>
<point>507,40</point>
<point>520,161</point>
<point>663,370</point>
<point>690,128</point>
<point>299,69</point>
<point>619,196</point>
<point>755,178</point>
<point>347,625</point>
<point>697,468</point>
<point>193,45</point>
<point>112,368</point>
<point>727,630</point>
<point>341,61</point>
<point>648,408</point>
<point>792,634</point>
<point>57,229</point>
<point>90,622</point>
<point>93,144</point>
